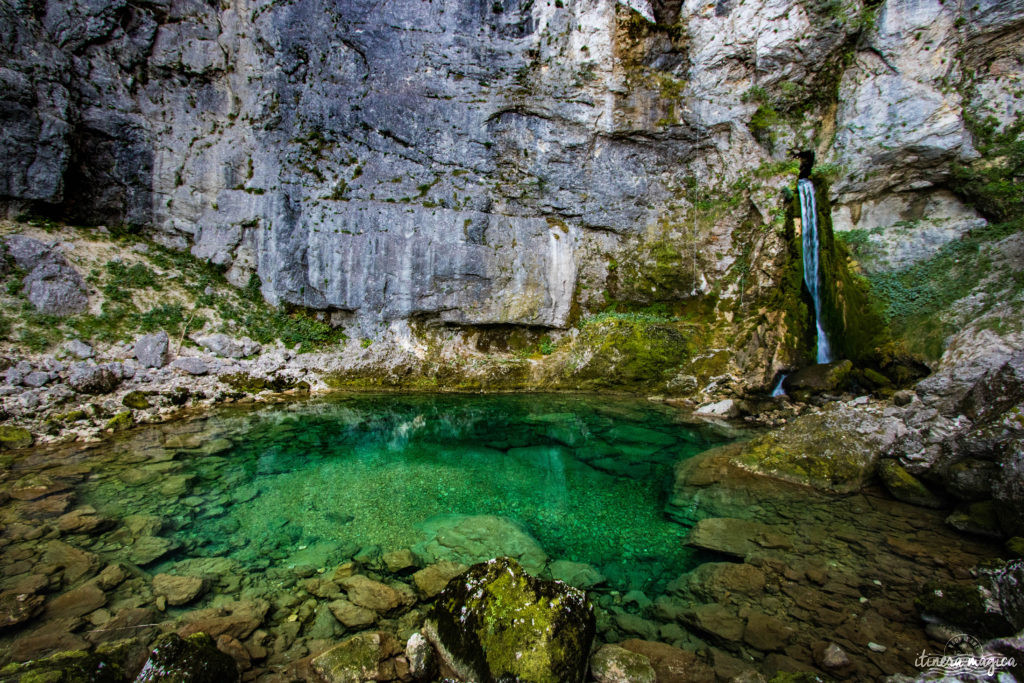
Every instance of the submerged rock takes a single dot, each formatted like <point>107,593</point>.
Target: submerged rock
<point>179,590</point>
<point>735,537</point>
<point>374,595</point>
<point>194,659</point>
<point>372,656</point>
<point>146,549</point>
<point>671,664</point>
<point>431,580</point>
<point>499,623</point>
<point>350,614</point>
<point>16,608</point>
<point>614,664</point>
<point>576,574</point>
<point>476,538</point>
<point>713,581</point>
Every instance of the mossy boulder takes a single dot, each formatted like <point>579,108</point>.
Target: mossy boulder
<point>15,437</point>
<point>902,485</point>
<point>75,666</point>
<point>496,622</point>
<point>836,449</point>
<point>136,400</point>
<point>370,656</point>
<point>121,421</point>
<point>194,659</point>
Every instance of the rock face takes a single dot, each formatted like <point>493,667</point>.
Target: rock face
<point>536,156</point>
<point>497,622</point>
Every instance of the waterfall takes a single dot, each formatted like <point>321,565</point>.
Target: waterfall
<point>812,261</point>
<point>778,390</point>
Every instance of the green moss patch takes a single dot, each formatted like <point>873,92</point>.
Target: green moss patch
<point>121,421</point>
<point>14,437</point>
<point>628,350</point>
<point>136,400</point>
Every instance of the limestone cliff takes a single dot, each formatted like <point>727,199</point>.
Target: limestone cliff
<point>507,163</point>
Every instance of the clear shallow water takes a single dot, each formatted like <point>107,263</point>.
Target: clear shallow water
<point>320,482</point>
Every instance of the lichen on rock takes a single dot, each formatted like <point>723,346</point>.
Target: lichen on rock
<point>496,622</point>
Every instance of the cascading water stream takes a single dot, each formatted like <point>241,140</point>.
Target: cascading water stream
<point>812,261</point>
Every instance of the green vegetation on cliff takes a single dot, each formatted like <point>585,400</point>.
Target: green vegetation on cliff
<point>918,299</point>
<point>149,288</point>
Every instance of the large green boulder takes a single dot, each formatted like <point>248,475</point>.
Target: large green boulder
<point>194,659</point>
<point>496,622</point>
<point>836,449</point>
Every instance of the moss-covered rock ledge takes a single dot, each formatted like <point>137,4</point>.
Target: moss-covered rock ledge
<point>835,449</point>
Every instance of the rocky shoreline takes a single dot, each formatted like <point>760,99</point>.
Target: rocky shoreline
<point>800,579</point>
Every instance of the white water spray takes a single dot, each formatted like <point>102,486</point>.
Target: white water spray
<point>812,261</point>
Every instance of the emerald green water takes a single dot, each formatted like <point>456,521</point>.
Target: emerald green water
<point>318,483</point>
